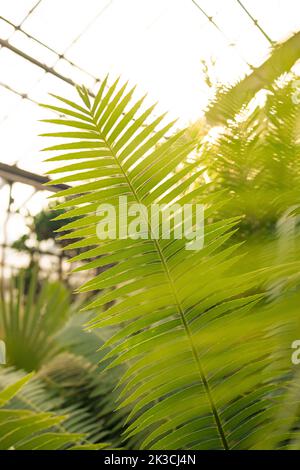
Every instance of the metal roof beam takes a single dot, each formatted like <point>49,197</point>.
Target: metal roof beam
<point>14,174</point>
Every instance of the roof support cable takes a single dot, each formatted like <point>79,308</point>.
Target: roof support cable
<point>256,23</point>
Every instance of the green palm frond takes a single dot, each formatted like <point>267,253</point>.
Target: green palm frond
<point>230,100</point>
<point>69,386</point>
<point>26,422</point>
<point>256,161</point>
<point>86,396</point>
<point>192,334</point>
<point>66,383</point>
<point>30,321</point>
<point>76,377</point>
<point>27,430</point>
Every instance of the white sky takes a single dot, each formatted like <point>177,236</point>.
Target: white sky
<point>156,44</point>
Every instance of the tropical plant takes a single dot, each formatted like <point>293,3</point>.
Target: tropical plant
<point>24,429</point>
<point>256,158</point>
<point>205,347</point>
<point>42,228</point>
<point>43,332</point>
<point>229,100</point>
<point>30,321</point>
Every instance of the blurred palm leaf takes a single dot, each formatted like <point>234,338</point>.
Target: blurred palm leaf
<point>229,101</point>
<point>30,321</point>
<point>23,429</point>
<point>67,386</point>
<point>67,381</point>
<point>255,159</point>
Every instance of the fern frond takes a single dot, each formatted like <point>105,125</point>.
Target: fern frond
<point>195,377</point>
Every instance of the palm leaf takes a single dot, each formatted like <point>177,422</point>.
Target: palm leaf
<point>27,424</point>
<point>24,429</point>
<point>192,335</point>
<point>29,321</point>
